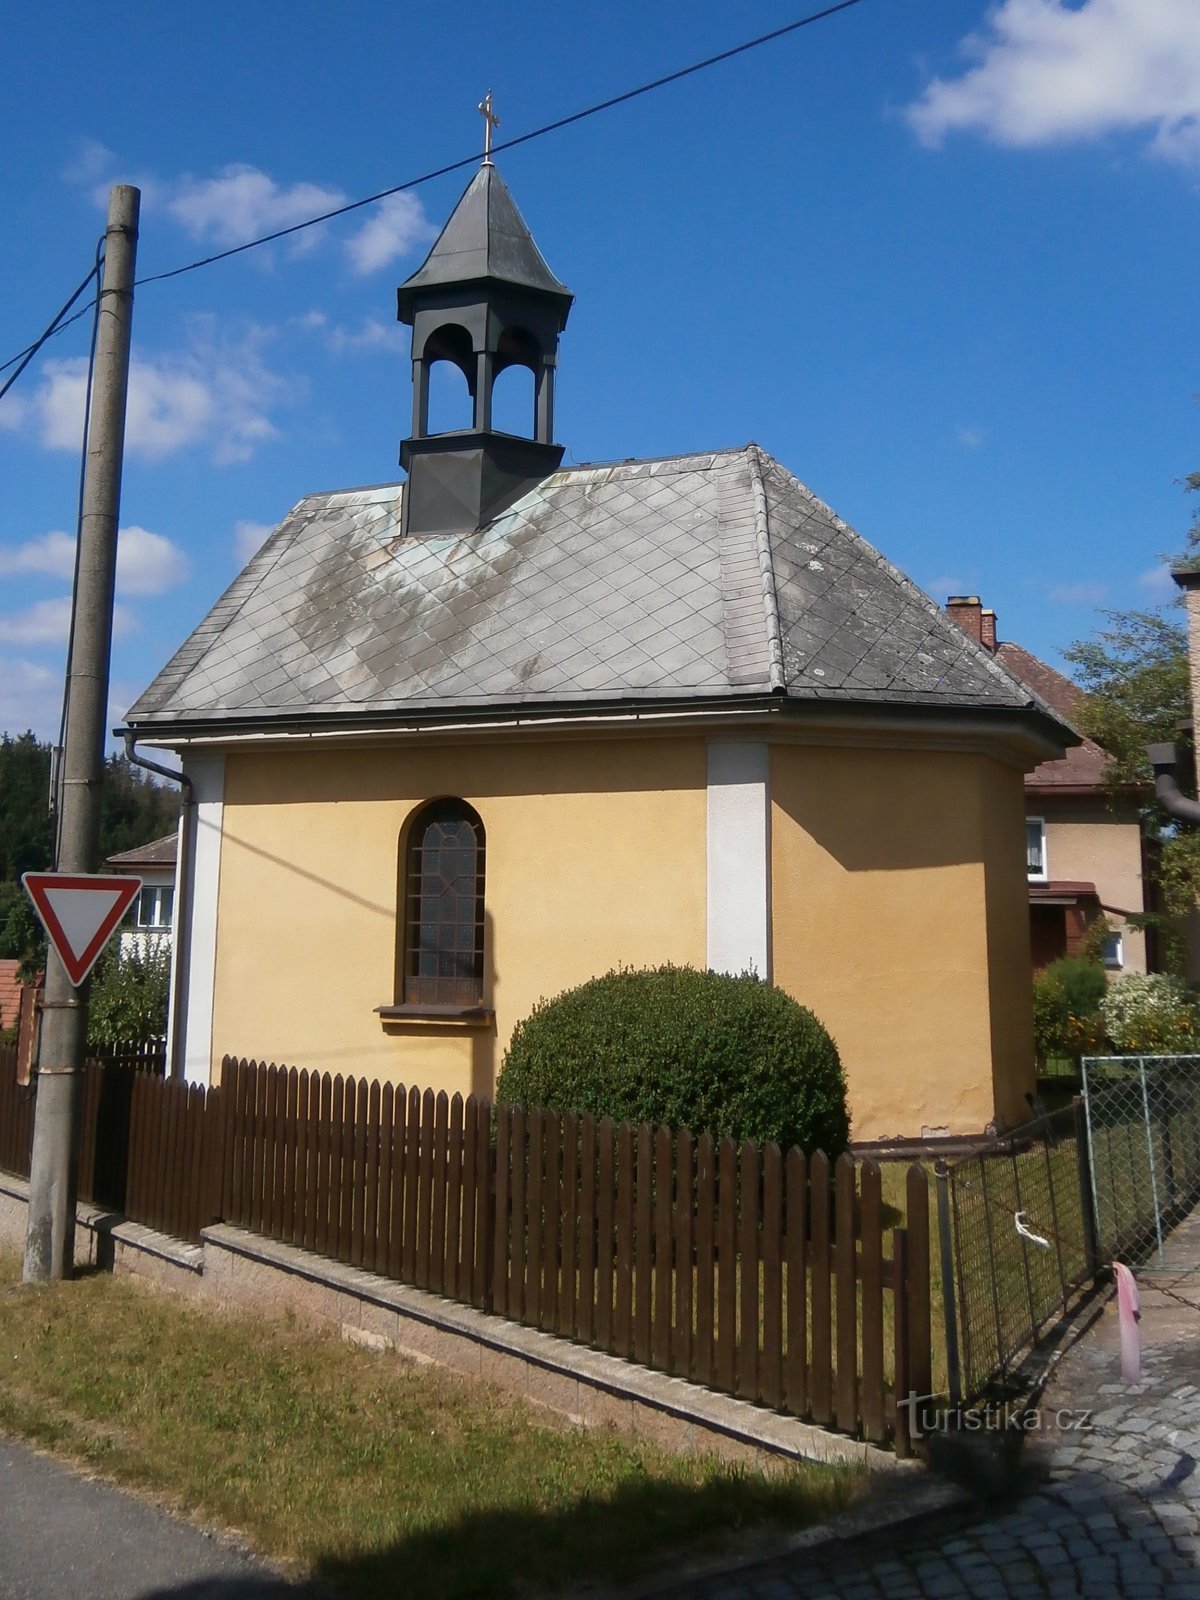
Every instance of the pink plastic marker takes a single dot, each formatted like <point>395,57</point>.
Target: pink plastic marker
<point>1129,1315</point>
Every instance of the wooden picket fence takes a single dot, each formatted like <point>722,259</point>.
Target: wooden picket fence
<point>136,1137</point>
<point>16,1116</point>
<point>768,1277</point>
<point>763,1275</point>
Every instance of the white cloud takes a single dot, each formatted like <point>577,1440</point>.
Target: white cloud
<point>1046,72</point>
<point>90,162</point>
<point>970,438</point>
<point>242,203</point>
<point>13,412</point>
<point>1084,593</point>
<point>147,563</point>
<point>30,696</point>
<point>1157,581</point>
<point>51,554</point>
<point>44,622</point>
<point>395,227</point>
<point>249,537</point>
<point>47,622</point>
<point>373,335</point>
<point>217,395</point>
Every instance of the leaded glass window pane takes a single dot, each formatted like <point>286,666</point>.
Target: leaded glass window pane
<point>444,907</point>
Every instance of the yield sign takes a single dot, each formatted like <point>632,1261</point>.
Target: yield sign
<point>79,913</point>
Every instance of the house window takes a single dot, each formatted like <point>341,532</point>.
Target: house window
<point>443,913</point>
<point>154,907</point>
<point>1114,952</point>
<point>1035,847</point>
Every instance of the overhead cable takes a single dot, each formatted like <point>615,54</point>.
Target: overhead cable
<point>57,326</point>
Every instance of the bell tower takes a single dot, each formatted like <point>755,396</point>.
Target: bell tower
<point>484,300</point>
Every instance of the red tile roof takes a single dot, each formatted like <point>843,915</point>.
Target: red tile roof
<point>1082,767</point>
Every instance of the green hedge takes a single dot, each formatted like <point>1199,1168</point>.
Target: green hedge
<point>700,1050</point>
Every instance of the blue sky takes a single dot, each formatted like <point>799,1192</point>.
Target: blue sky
<point>938,257</point>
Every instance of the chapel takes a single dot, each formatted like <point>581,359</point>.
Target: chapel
<point>460,742</point>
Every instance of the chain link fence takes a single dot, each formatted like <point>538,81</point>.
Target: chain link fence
<point>1143,1123</point>
<point>1019,1213</point>
<point>1028,1218</point>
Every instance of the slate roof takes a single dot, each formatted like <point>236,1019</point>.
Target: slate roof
<point>158,853</point>
<point>692,578</point>
<point>485,238</point>
<point>1081,767</point>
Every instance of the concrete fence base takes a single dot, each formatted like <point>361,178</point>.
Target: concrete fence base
<point>246,1273</point>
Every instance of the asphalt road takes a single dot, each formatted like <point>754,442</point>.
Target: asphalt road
<point>66,1537</point>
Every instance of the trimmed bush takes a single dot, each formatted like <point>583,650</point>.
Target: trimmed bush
<point>1067,996</point>
<point>1151,1014</point>
<point>698,1050</point>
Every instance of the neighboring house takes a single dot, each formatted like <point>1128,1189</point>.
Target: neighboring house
<point>458,744</point>
<point>151,917</point>
<point>1086,850</point>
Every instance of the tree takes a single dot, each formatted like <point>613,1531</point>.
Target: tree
<point>1137,686</point>
<point>133,810</point>
<point>1136,678</point>
<point>129,994</point>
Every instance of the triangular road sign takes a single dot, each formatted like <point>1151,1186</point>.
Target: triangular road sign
<point>80,913</point>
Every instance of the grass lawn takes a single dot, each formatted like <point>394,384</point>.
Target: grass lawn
<point>383,1477</point>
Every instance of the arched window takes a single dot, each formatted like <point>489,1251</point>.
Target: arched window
<point>443,907</point>
<point>514,392</point>
<point>450,367</point>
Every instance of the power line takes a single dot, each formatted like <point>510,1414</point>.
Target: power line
<point>511,144</point>
<point>26,356</point>
<point>453,166</point>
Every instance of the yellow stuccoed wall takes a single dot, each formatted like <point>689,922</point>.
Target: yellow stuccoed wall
<point>900,917</point>
<point>899,906</point>
<point>595,857</point>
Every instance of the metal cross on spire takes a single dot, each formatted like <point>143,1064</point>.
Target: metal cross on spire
<point>490,121</point>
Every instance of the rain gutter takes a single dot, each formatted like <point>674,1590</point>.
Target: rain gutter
<point>182,917</point>
<point>1166,786</point>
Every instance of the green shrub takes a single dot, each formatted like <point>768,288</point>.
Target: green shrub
<point>129,993</point>
<point>698,1050</point>
<point>1067,1019</point>
<point>1151,1014</point>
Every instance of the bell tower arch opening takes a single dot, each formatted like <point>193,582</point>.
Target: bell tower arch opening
<point>518,368</point>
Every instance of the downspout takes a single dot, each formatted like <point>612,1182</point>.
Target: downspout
<point>1166,786</point>
<point>179,952</point>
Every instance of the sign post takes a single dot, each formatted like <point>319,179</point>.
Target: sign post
<point>80,913</point>
<point>54,1158</point>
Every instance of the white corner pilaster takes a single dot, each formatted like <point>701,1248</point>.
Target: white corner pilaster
<point>739,857</point>
<point>197,947</point>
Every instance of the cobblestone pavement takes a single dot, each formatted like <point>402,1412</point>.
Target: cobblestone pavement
<point>1110,1509</point>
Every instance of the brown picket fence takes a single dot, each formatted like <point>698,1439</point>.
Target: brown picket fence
<point>765,1275</point>
<point>16,1116</point>
<point>139,1138</point>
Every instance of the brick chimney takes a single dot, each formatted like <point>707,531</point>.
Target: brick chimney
<point>967,611</point>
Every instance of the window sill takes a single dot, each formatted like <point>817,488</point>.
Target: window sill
<point>438,1016</point>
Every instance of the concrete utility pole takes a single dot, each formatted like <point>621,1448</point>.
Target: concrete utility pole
<point>54,1170</point>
